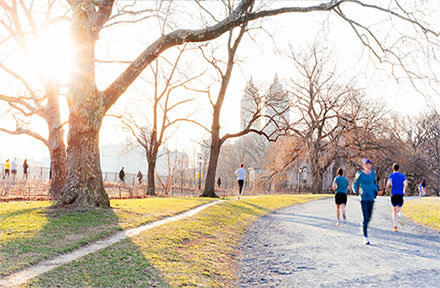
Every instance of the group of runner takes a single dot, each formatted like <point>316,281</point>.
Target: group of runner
<point>365,185</point>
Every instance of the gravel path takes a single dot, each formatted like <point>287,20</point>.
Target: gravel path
<point>301,246</point>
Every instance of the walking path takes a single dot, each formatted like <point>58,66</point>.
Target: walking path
<point>25,275</point>
<point>301,246</point>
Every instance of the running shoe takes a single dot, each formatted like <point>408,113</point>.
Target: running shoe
<point>366,241</point>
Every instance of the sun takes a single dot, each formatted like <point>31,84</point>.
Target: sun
<point>51,53</point>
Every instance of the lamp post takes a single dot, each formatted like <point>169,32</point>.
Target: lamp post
<point>199,174</point>
<point>299,180</point>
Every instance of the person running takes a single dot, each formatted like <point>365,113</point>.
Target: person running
<point>422,187</point>
<point>240,172</point>
<point>365,185</point>
<point>397,183</point>
<point>139,177</point>
<point>340,184</point>
<point>14,168</point>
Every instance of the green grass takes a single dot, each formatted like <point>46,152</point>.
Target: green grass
<point>31,231</point>
<point>424,211</point>
<point>200,251</point>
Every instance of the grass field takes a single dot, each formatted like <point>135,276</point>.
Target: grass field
<point>200,251</point>
<point>31,231</point>
<point>424,211</point>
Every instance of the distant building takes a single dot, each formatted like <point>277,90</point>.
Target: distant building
<point>277,107</point>
<point>248,105</point>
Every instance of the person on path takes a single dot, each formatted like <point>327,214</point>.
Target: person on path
<point>14,168</point>
<point>219,182</point>
<point>7,166</point>
<point>139,176</point>
<point>397,183</point>
<point>122,175</point>
<point>25,169</point>
<point>240,172</point>
<point>340,186</point>
<point>422,187</point>
<point>365,185</point>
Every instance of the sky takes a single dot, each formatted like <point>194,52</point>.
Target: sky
<point>261,58</point>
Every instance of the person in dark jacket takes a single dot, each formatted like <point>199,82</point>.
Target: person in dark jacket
<point>122,175</point>
<point>25,169</point>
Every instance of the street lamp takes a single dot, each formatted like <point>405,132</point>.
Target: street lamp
<point>199,174</point>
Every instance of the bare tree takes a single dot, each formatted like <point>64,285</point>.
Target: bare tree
<point>20,22</point>
<point>152,137</point>
<point>88,104</point>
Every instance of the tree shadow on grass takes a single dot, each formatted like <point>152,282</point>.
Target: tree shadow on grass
<point>64,230</point>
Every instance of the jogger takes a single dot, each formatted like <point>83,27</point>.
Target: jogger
<point>398,183</point>
<point>340,185</point>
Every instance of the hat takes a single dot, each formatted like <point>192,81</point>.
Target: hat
<point>366,160</point>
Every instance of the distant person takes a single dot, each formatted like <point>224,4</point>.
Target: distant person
<point>397,183</point>
<point>240,172</point>
<point>219,182</point>
<point>422,187</point>
<point>139,177</point>
<point>365,185</point>
<point>25,169</point>
<point>14,168</point>
<point>7,166</point>
<point>122,175</point>
<point>340,186</point>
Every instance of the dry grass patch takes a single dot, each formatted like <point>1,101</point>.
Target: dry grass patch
<point>424,211</point>
<point>200,251</point>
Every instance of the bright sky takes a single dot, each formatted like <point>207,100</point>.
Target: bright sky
<point>259,60</point>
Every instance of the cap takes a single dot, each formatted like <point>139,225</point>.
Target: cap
<point>366,160</point>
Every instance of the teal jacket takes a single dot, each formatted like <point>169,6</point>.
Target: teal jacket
<point>365,185</point>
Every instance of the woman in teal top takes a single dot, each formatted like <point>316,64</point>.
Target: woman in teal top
<point>340,186</point>
<point>364,184</point>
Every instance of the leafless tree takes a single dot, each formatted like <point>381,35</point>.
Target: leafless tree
<point>39,97</point>
<point>88,104</point>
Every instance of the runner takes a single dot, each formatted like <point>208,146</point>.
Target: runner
<point>240,172</point>
<point>398,183</point>
<point>365,185</point>
<point>340,185</point>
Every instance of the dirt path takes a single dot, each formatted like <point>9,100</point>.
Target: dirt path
<point>25,275</point>
<point>301,246</point>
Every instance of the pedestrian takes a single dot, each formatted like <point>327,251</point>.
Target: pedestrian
<point>397,183</point>
<point>122,175</point>
<point>240,172</point>
<point>219,182</point>
<point>14,168</point>
<point>422,187</point>
<point>340,186</point>
<point>365,185</point>
<point>7,166</point>
<point>139,176</point>
<point>25,169</point>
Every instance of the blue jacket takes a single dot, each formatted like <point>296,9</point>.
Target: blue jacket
<point>365,185</point>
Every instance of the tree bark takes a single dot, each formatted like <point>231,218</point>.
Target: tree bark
<point>316,174</point>
<point>151,185</point>
<point>209,190</point>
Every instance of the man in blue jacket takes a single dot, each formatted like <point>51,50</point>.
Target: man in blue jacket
<point>365,185</point>
<point>397,183</point>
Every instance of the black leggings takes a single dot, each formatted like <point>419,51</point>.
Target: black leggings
<point>240,184</point>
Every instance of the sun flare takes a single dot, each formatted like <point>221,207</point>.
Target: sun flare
<point>51,54</point>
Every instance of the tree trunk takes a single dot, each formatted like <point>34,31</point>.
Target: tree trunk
<point>209,190</point>
<point>316,173</point>
<point>84,185</point>
<point>151,188</point>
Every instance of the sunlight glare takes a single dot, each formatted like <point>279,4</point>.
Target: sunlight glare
<point>51,54</point>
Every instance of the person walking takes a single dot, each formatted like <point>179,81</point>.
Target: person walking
<point>365,185</point>
<point>240,172</point>
<point>25,169</point>
<point>340,186</point>
<point>219,182</point>
<point>422,187</point>
<point>122,175</point>
<point>139,177</point>
<point>7,166</point>
<point>397,183</point>
<point>14,168</point>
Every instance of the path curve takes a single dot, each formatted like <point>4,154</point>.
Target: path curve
<point>25,275</point>
<point>301,246</point>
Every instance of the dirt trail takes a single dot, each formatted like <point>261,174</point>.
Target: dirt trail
<point>301,246</point>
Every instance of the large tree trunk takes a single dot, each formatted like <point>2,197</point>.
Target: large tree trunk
<point>151,188</point>
<point>316,174</point>
<point>209,190</point>
<point>84,185</point>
